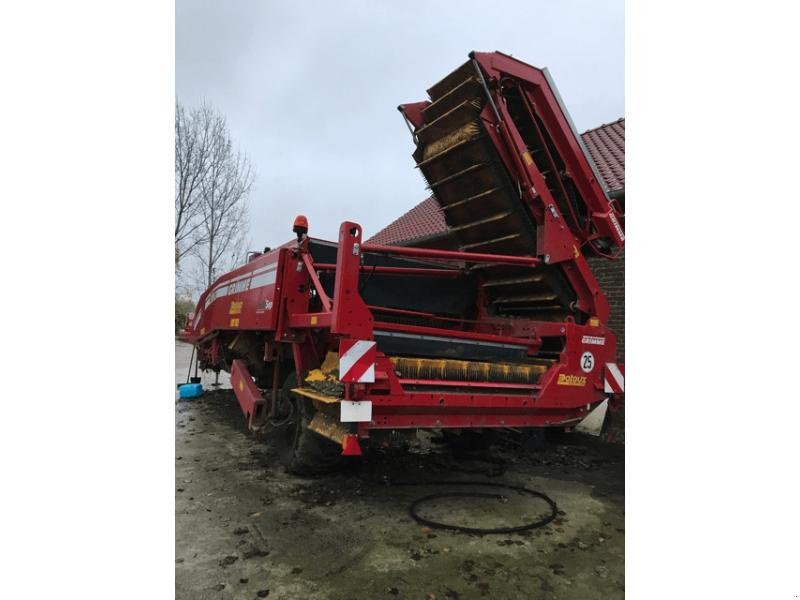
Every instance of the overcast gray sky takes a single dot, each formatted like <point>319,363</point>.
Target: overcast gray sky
<point>310,89</point>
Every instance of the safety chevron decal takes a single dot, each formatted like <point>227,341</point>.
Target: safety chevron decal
<point>614,378</point>
<point>357,361</point>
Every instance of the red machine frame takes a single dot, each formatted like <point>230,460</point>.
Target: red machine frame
<point>238,301</point>
<point>272,294</point>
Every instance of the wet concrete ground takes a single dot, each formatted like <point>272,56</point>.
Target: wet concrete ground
<point>247,529</point>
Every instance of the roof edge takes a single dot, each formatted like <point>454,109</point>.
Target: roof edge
<point>603,125</point>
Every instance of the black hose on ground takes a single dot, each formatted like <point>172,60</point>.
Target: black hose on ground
<point>412,510</point>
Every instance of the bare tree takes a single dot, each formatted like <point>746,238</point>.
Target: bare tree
<point>196,131</point>
<point>223,222</point>
<point>212,184</point>
<point>197,277</point>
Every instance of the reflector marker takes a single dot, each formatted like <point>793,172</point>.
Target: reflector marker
<point>357,361</point>
<point>614,379</point>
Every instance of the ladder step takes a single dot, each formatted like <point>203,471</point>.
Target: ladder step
<point>328,426</point>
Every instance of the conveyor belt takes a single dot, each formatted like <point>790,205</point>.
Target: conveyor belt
<point>480,201</point>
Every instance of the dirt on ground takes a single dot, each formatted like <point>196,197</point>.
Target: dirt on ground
<point>247,529</point>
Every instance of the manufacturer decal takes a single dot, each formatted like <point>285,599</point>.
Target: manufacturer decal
<point>242,285</point>
<point>258,279</point>
<point>574,380</point>
<point>587,362</point>
<point>594,339</point>
<point>264,305</point>
<point>236,307</point>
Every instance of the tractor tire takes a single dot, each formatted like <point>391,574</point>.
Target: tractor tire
<point>302,451</point>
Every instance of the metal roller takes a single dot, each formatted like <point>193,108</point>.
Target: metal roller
<point>467,370</point>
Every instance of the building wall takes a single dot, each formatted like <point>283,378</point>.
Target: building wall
<point>610,275</point>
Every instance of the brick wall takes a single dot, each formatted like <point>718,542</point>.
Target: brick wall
<point>611,276</point>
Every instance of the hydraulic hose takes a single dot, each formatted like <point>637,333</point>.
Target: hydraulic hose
<point>414,514</point>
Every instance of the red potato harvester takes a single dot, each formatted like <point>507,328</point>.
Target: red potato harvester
<point>330,344</point>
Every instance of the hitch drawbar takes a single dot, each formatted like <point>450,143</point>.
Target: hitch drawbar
<point>248,395</point>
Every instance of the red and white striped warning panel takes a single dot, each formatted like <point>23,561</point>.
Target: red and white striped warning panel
<point>614,378</point>
<point>357,361</point>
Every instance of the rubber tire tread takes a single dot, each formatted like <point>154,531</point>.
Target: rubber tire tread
<point>309,453</point>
